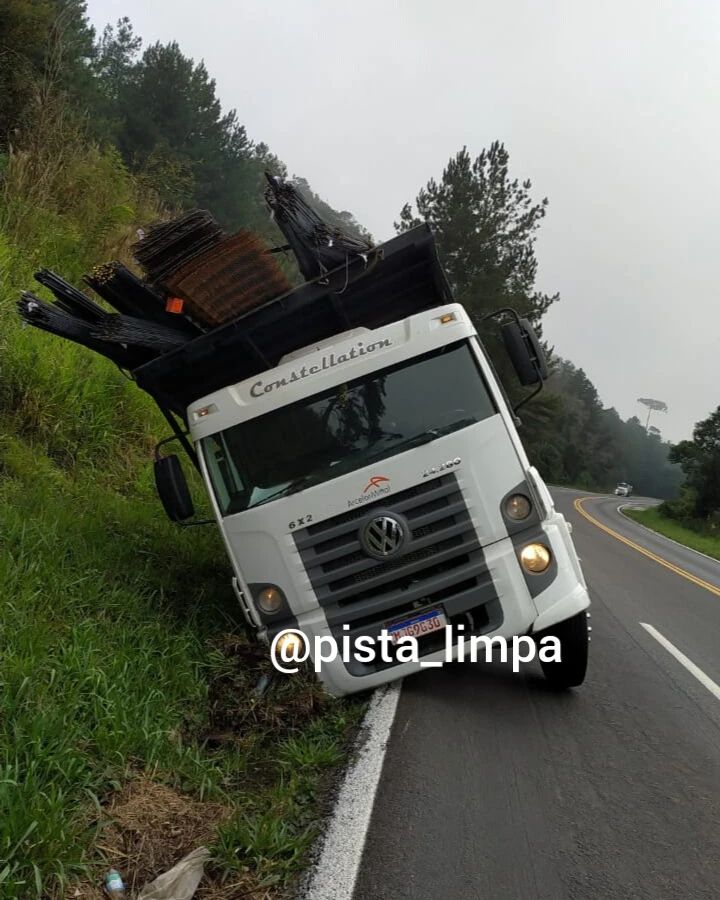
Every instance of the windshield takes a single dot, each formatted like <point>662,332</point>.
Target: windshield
<point>347,427</point>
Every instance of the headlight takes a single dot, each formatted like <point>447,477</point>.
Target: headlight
<point>270,600</point>
<point>518,507</point>
<point>535,558</point>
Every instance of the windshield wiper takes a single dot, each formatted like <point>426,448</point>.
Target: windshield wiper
<point>424,437</point>
<point>292,488</point>
<point>455,426</point>
<point>416,441</point>
<point>281,492</point>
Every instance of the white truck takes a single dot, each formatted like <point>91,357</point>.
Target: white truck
<point>365,470</point>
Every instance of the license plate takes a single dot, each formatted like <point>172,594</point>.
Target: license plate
<point>418,626</point>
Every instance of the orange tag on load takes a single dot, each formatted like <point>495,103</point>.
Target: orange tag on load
<point>174,305</point>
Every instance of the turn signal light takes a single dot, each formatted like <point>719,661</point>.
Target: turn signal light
<point>204,411</point>
<point>270,600</point>
<point>517,507</point>
<point>535,558</point>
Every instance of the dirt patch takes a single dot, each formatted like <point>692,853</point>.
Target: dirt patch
<point>290,701</point>
<point>148,828</point>
<point>151,827</point>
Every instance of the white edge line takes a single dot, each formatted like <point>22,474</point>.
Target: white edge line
<point>704,679</point>
<point>335,873</point>
<point>663,536</point>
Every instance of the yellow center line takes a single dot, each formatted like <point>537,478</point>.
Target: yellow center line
<point>578,504</point>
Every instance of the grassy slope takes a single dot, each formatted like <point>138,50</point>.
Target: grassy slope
<point>653,518</point>
<point>120,653</point>
<point>117,659</point>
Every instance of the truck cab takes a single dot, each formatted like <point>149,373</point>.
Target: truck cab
<point>373,480</point>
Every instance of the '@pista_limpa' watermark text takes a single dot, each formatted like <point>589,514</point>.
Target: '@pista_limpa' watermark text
<point>291,647</point>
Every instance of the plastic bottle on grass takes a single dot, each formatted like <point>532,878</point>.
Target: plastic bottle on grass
<point>114,886</point>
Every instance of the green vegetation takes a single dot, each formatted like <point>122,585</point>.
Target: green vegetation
<point>694,517</point>
<point>118,658</point>
<point>697,537</point>
<point>115,662</point>
<point>123,668</point>
<point>120,654</point>
<point>699,459</point>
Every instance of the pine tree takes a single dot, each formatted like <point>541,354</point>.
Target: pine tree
<point>485,224</point>
<point>700,461</point>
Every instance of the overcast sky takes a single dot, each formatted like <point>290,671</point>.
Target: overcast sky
<point>611,109</point>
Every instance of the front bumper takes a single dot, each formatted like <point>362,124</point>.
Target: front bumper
<point>521,607</point>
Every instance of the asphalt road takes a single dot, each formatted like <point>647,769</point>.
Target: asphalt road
<point>495,787</point>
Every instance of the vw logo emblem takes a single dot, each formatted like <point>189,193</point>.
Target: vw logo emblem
<point>383,537</point>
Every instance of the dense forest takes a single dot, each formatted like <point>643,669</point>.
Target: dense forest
<point>698,505</point>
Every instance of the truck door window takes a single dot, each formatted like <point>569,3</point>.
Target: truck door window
<point>223,470</point>
<point>346,427</point>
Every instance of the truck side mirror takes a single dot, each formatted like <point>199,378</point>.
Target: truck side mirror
<point>173,489</point>
<point>525,352</point>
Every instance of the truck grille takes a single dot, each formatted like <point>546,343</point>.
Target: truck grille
<point>441,559</point>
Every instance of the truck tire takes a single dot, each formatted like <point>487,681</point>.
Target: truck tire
<point>573,636</point>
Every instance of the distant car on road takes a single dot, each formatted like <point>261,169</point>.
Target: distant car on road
<point>623,489</point>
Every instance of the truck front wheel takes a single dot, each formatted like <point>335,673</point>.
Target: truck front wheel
<point>570,670</point>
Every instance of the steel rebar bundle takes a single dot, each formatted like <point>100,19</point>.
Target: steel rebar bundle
<point>169,245</point>
<point>319,247</point>
<point>134,332</point>
<point>52,318</point>
<point>69,298</point>
<point>123,290</point>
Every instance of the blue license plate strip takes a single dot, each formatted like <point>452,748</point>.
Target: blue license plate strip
<point>419,625</point>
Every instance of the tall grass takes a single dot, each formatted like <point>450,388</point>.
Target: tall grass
<point>101,652</point>
<point>110,659</point>
<point>100,671</point>
<point>66,204</point>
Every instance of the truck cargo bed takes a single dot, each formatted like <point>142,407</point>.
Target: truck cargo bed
<point>401,277</point>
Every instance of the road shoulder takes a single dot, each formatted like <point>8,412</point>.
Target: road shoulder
<point>653,521</point>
